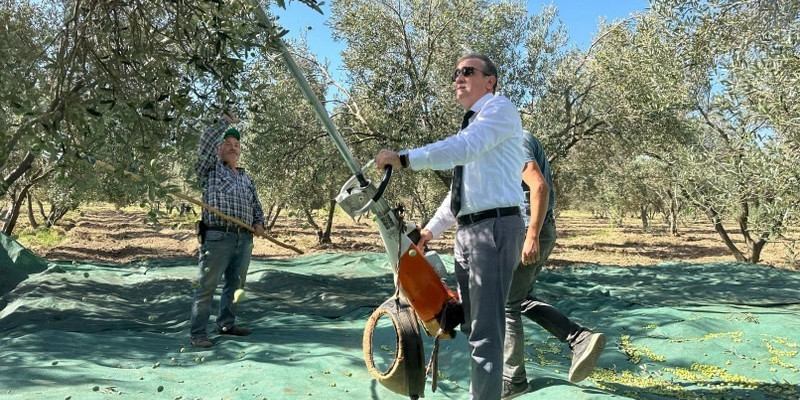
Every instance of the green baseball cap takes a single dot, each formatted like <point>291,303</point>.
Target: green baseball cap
<point>231,132</point>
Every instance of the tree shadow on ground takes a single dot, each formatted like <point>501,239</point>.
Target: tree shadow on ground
<point>111,321</point>
<point>680,283</point>
<point>123,316</point>
<point>685,252</point>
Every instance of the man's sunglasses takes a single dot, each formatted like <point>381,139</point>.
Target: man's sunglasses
<point>466,71</point>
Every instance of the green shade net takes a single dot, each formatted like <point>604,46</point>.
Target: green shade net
<point>674,330</point>
<point>16,263</point>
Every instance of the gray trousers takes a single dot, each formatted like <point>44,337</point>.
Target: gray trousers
<point>521,302</point>
<point>485,256</point>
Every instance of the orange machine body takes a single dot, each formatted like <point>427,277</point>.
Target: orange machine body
<point>427,293</point>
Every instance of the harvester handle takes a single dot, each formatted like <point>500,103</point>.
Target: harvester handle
<point>387,176</point>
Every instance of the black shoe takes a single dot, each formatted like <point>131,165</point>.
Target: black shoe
<point>234,330</point>
<point>201,342</point>
<point>512,390</point>
<point>585,354</point>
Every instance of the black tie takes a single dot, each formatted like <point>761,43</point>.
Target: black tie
<point>458,174</point>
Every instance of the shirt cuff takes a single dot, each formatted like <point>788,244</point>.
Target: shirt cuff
<point>442,220</point>
<point>416,159</point>
<point>437,228</point>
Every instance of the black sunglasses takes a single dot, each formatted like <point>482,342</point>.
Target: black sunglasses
<point>466,71</point>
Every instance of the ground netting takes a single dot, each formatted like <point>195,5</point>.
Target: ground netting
<point>674,330</point>
<point>16,263</point>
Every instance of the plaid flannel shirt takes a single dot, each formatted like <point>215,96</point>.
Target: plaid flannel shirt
<point>232,194</point>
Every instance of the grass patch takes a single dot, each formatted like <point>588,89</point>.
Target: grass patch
<point>177,221</point>
<point>40,238</point>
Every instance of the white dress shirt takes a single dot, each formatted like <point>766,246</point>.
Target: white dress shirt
<point>490,149</point>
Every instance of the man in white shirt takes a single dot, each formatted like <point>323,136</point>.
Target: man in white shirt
<point>484,201</point>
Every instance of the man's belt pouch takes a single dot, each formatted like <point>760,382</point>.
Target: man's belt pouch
<point>200,230</point>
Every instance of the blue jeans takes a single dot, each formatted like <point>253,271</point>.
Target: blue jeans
<point>222,255</point>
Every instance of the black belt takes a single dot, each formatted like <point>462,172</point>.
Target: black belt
<point>228,228</point>
<point>491,213</point>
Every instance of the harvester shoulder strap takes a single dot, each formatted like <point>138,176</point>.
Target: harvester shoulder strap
<point>433,364</point>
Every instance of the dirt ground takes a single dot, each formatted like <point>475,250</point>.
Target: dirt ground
<point>105,234</point>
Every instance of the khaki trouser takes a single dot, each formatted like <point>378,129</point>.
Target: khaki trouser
<point>522,302</point>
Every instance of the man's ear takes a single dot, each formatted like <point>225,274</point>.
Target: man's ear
<point>491,83</point>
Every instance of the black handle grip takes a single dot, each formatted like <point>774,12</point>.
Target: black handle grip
<point>387,175</point>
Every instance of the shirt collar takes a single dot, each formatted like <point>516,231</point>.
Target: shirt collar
<point>224,164</point>
<point>479,104</point>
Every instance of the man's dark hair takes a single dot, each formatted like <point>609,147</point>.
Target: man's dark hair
<point>489,68</point>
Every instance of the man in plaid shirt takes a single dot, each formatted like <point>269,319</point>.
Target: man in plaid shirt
<point>225,248</point>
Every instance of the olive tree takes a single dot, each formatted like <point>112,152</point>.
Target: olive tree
<point>127,83</point>
<point>287,149</point>
<point>637,101</point>
<point>707,89</point>
<point>743,168</point>
<point>399,60</point>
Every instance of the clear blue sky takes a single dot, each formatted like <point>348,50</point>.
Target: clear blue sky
<point>580,17</point>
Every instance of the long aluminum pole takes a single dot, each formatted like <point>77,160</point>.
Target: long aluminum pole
<point>305,87</point>
<point>387,223</point>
